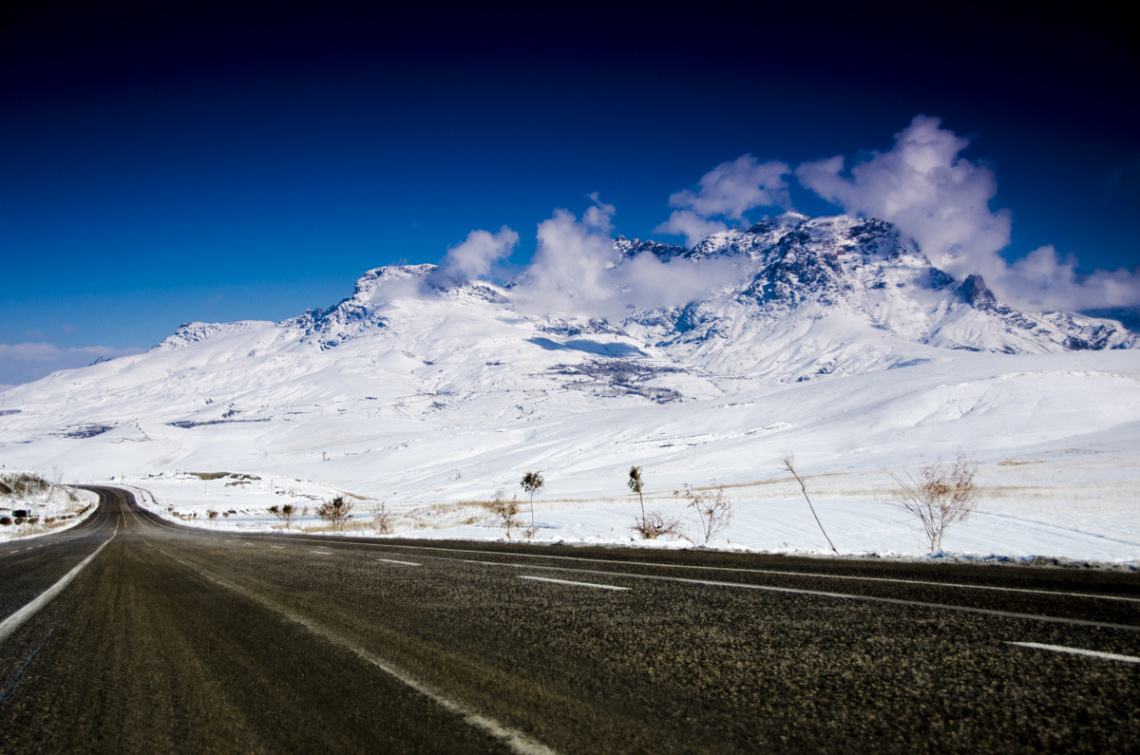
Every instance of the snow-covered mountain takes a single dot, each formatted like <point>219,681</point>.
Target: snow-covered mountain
<point>844,295</point>
<point>830,337</point>
<point>802,298</point>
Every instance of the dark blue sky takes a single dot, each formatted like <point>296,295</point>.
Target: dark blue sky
<point>169,162</point>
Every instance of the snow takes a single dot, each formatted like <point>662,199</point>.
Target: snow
<point>53,502</point>
<point>1056,437</point>
<point>432,398</point>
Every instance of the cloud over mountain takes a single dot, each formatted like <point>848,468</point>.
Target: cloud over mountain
<point>729,190</point>
<point>922,185</point>
<point>942,200</point>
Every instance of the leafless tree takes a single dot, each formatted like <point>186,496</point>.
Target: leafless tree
<point>636,484</point>
<point>653,524</point>
<point>790,465</point>
<point>532,482</point>
<point>943,495</point>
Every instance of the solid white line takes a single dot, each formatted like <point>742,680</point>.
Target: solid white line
<point>512,738</point>
<point>1078,651</point>
<point>577,584</point>
<point>394,561</point>
<point>13,622</point>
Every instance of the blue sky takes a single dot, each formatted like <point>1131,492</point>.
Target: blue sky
<point>245,160</point>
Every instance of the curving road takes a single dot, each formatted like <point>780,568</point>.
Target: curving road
<point>163,638</point>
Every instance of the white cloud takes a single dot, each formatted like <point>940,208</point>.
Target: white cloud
<point>577,272</point>
<point>924,187</point>
<point>480,253</point>
<point>568,273</point>
<point>24,362</point>
<point>1044,281</point>
<point>646,281</point>
<point>732,188</point>
<point>928,191</point>
<point>690,225</point>
<point>727,191</point>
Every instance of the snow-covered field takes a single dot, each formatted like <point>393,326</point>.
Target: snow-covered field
<point>1056,438</point>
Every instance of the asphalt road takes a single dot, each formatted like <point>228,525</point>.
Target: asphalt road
<point>171,639</point>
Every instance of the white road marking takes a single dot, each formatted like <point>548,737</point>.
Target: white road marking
<point>821,593</point>
<point>278,547</point>
<point>774,572</point>
<point>1078,651</point>
<point>323,553</point>
<point>512,738</point>
<point>394,561</point>
<point>13,622</point>
<point>577,584</point>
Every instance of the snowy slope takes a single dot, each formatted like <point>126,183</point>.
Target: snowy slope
<point>833,339</point>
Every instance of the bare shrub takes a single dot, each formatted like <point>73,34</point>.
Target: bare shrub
<point>507,511</point>
<point>212,514</point>
<point>654,524</point>
<point>714,512</point>
<point>943,495</point>
<point>336,512</point>
<point>382,518</point>
<point>285,512</point>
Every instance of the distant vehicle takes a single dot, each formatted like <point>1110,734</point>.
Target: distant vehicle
<point>21,514</point>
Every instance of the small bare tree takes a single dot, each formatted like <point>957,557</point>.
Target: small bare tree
<point>532,482</point>
<point>943,495</point>
<point>636,484</point>
<point>336,512</point>
<point>789,464</point>
<point>714,512</point>
<point>653,524</point>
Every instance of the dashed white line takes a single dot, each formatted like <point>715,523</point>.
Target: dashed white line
<point>1078,651</point>
<point>773,572</point>
<point>399,563</point>
<point>576,584</point>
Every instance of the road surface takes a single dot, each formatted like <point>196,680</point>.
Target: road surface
<point>162,638</point>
